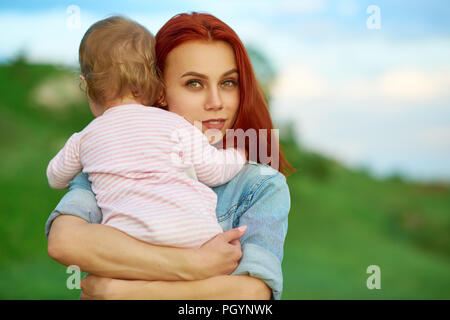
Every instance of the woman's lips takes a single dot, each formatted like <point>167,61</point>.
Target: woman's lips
<point>214,124</point>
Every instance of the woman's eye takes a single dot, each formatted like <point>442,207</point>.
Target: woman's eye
<point>229,83</point>
<point>194,84</point>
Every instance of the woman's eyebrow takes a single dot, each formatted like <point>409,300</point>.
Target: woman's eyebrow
<point>200,75</point>
<point>195,74</point>
<point>230,72</point>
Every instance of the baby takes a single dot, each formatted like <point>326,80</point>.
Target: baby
<point>137,155</point>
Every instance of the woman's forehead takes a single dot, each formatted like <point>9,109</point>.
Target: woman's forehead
<point>206,57</point>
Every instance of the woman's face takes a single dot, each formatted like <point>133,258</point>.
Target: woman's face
<point>202,83</point>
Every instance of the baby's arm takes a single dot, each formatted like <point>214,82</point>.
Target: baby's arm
<point>66,164</point>
<point>213,166</point>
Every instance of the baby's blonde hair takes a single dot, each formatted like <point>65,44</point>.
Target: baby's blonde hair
<point>117,59</point>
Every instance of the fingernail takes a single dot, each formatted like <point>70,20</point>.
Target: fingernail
<point>242,228</point>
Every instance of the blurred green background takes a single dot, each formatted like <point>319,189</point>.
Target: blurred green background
<point>342,220</point>
<point>366,82</point>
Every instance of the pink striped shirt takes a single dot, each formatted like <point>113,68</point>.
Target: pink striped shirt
<point>137,158</point>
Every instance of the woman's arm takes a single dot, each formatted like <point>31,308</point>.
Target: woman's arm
<point>75,237</point>
<point>108,252</point>
<point>259,274</point>
<point>236,287</point>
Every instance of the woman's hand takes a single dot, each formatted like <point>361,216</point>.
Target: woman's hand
<point>100,288</point>
<point>220,255</point>
<point>97,288</point>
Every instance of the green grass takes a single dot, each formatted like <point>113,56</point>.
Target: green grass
<point>348,221</point>
<point>341,220</point>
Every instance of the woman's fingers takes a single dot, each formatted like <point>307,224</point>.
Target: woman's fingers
<point>235,242</point>
<point>85,296</point>
<point>237,245</point>
<point>234,234</point>
<point>220,255</point>
<point>94,287</point>
<point>83,286</point>
<point>86,288</point>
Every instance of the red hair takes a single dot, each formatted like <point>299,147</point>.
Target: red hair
<point>253,109</point>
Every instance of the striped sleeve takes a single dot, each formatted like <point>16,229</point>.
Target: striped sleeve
<point>66,164</point>
<point>213,166</point>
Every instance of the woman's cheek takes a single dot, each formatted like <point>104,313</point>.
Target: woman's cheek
<point>231,100</point>
<point>184,103</point>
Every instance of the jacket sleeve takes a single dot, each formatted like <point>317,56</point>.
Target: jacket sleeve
<point>79,201</point>
<point>266,218</point>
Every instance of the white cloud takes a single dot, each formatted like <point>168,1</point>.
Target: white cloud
<point>392,120</point>
<point>435,138</point>
<point>395,90</point>
<point>412,84</point>
<point>300,82</point>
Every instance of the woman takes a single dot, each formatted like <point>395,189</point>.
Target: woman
<point>208,77</point>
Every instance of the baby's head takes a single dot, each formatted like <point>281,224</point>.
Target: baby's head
<point>117,62</point>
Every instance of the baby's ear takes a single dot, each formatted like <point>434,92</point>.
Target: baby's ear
<point>83,79</point>
<point>161,100</point>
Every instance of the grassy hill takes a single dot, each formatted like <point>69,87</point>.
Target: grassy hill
<point>341,220</point>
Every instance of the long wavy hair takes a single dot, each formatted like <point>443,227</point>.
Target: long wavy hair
<point>253,110</point>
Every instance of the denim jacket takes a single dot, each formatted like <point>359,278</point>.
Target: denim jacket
<point>257,197</point>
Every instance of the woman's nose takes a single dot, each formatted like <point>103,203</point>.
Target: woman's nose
<point>213,101</point>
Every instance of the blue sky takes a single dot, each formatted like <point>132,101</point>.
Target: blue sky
<point>377,98</point>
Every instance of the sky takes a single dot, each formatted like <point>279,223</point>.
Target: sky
<point>364,82</point>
